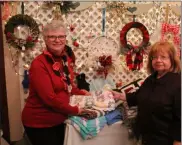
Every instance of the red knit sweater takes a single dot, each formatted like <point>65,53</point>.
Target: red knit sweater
<point>48,101</point>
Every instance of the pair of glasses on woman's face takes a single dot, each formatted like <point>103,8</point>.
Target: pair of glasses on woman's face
<point>53,37</point>
<point>161,57</point>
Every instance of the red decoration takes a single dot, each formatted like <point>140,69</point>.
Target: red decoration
<point>13,23</point>
<point>72,28</point>
<point>75,43</point>
<point>6,10</point>
<point>29,39</point>
<point>119,84</point>
<point>106,63</point>
<point>129,49</point>
<point>174,30</point>
<point>9,34</point>
<point>56,66</point>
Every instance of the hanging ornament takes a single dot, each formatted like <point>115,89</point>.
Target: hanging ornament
<point>72,27</point>
<point>170,33</point>
<point>129,49</point>
<point>65,6</point>
<point>75,43</point>
<point>25,82</point>
<point>116,9</point>
<point>6,11</point>
<point>103,21</point>
<point>15,22</point>
<point>90,35</point>
<point>105,63</point>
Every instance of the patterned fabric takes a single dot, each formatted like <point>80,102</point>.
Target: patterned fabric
<point>99,100</point>
<point>104,100</point>
<point>88,128</point>
<point>82,101</point>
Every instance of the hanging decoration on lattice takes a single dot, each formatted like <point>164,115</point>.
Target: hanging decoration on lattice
<point>170,33</point>
<point>115,9</point>
<point>129,49</point>
<point>89,20</point>
<point>105,64</point>
<point>6,11</point>
<point>64,6</point>
<point>16,22</point>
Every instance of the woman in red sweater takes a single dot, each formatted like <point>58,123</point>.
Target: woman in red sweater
<point>51,84</point>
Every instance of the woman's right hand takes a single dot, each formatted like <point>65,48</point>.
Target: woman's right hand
<point>80,110</point>
<point>119,95</point>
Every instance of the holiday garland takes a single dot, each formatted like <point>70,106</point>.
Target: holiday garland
<point>65,6</point>
<point>19,20</point>
<point>130,49</point>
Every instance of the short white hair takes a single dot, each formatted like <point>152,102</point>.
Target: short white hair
<point>54,25</point>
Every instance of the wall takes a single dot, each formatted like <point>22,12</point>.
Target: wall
<point>14,88</point>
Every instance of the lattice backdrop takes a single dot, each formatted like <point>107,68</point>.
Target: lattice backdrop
<point>89,21</point>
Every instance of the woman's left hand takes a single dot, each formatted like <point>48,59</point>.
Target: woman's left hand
<point>86,92</point>
<point>176,143</point>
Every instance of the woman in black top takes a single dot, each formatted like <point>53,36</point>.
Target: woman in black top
<point>158,121</point>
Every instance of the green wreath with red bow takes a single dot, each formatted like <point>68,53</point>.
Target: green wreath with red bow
<point>129,49</point>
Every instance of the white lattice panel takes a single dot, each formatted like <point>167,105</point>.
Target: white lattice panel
<point>90,21</point>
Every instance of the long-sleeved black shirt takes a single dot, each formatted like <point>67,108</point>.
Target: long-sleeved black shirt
<point>159,109</point>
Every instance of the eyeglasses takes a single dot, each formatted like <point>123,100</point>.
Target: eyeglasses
<point>53,37</point>
<point>161,57</point>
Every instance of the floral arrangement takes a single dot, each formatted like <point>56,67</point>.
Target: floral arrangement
<point>105,64</point>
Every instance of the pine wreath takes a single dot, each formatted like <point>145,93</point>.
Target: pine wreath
<point>65,6</point>
<point>19,20</point>
<point>124,31</point>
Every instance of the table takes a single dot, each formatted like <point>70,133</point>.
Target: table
<point>115,134</point>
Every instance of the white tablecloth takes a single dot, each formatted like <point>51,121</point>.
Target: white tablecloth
<point>115,134</point>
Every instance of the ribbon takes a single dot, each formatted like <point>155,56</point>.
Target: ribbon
<point>129,61</point>
<point>103,21</point>
<point>22,8</point>
<point>138,61</point>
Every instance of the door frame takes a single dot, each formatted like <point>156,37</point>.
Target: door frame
<point>3,92</point>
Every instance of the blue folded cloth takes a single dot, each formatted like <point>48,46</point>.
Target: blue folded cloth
<point>113,116</point>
